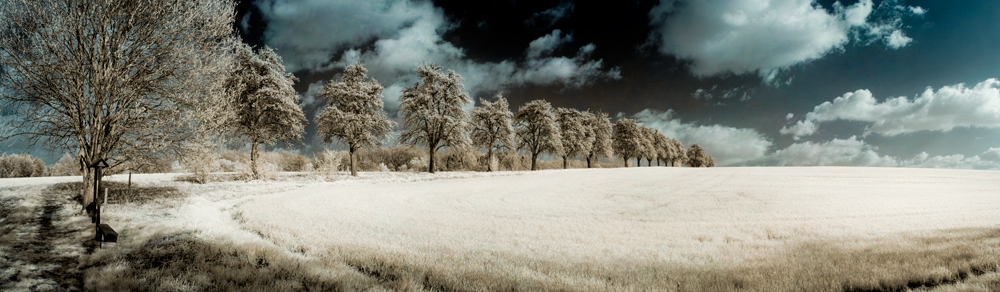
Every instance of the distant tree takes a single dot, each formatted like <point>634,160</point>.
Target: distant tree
<point>648,145</point>
<point>66,166</point>
<point>698,158</point>
<point>601,129</point>
<point>259,105</point>
<point>664,151</point>
<point>537,130</point>
<point>576,138</point>
<point>354,113</point>
<point>681,155</point>
<point>432,111</point>
<point>627,140</point>
<point>110,80</point>
<point>492,127</point>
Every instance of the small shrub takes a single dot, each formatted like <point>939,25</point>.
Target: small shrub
<point>66,166</point>
<point>21,165</point>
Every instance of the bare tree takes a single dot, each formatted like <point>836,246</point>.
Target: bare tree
<point>432,111</point>
<point>259,105</point>
<point>648,145</point>
<point>601,129</point>
<point>110,79</point>
<point>537,130</point>
<point>492,127</point>
<point>355,113</point>
<point>627,140</point>
<point>576,138</point>
<point>698,158</point>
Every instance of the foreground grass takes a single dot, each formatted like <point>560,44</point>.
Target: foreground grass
<point>709,231</point>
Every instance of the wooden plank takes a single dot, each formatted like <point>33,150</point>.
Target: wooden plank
<point>108,234</point>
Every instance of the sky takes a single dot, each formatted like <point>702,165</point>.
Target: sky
<point>755,82</point>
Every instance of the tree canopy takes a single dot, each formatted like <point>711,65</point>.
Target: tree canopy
<point>537,130</point>
<point>627,140</point>
<point>492,127</point>
<point>259,105</point>
<point>576,138</point>
<point>354,114</point>
<point>432,111</point>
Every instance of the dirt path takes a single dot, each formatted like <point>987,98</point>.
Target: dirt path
<point>42,236</point>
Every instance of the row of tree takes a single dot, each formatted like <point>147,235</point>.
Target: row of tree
<point>142,81</point>
<point>433,115</point>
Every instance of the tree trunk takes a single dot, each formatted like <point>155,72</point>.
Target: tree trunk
<point>253,159</point>
<point>638,161</point>
<point>534,157</point>
<point>88,187</point>
<point>649,162</point>
<point>431,164</point>
<point>657,161</point>
<point>489,159</point>
<point>588,161</point>
<point>353,172</point>
<point>565,163</point>
<point>626,161</point>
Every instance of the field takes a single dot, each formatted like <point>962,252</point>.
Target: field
<point>634,229</point>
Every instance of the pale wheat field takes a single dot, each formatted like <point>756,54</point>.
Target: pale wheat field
<point>652,228</point>
<point>634,229</point>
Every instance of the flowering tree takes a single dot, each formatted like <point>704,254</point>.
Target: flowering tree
<point>492,127</point>
<point>627,140</point>
<point>259,105</point>
<point>537,130</point>
<point>601,129</point>
<point>432,111</point>
<point>576,138</point>
<point>354,113</point>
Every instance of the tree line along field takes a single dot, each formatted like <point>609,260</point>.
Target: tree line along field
<point>620,229</point>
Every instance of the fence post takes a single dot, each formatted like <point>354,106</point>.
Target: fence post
<point>105,195</point>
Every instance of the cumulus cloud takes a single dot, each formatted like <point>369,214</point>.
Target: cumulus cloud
<point>767,36</point>
<point>741,146</point>
<point>393,37</point>
<point>941,110</point>
<point>855,152</point>
<point>729,146</point>
<point>837,152</point>
<point>553,15</point>
<point>546,44</point>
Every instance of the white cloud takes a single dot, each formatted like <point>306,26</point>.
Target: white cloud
<point>765,36</point>
<point>789,116</point>
<point>728,145</point>
<point>553,15</point>
<point>308,32</point>
<point>898,40</point>
<point>917,10</point>
<point>838,152</point>
<point>941,110</point>
<point>546,44</point>
<point>855,152</point>
<point>309,97</point>
<point>393,37</point>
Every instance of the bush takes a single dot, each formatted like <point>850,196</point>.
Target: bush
<point>66,166</point>
<point>510,160</point>
<point>21,165</point>
<point>328,162</point>
<point>458,160</point>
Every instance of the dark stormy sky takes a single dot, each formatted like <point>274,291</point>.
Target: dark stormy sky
<point>755,82</point>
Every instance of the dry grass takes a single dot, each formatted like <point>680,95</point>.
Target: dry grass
<point>635,229</point>
<point>665,229</point>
